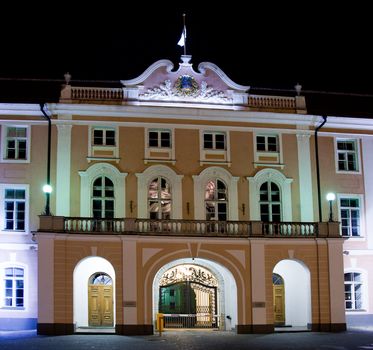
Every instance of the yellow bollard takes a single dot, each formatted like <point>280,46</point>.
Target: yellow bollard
<point>160,323</point>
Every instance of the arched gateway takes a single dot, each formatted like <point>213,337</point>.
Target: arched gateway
<point>195,293</point>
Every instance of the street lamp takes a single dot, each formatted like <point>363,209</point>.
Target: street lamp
<point>330,197</point>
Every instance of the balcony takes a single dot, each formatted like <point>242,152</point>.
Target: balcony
<point>188,228</point>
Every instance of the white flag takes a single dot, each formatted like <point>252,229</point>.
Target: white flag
<point>182,38</point>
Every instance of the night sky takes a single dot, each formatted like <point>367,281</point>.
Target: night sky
<point>265,45</point>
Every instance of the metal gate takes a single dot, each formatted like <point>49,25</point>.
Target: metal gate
<point>188,300</point>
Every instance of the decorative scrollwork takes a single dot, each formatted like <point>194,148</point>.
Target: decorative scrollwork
<point>188,273</point>
<point>186,88</point>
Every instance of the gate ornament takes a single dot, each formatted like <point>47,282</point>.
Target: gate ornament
<point>188,273</point>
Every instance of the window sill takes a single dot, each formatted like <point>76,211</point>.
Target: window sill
<point>159,160</point>
<point>11,308</point>
<point>5,160</point>
<point>360,311</point>
<point>348,172</point>
<point>354,238</point>
<point>273,165</point>
<point>13,232</point>
<point>217,162</point>
<point>112,159</point>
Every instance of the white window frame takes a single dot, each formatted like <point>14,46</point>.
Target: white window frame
<point>356,141</point>
<point>213,156</point>
<point>102,197</point>
<point>216,201</point>
<point>4,147</point>
<point>269,201</point>
<point>266,143</point>
<point>200,182</point>
<point>146,177</point>
<point>159,138</point>
<point>26,288</point>
<point>169,152</point>
<point>86,181</point>
<point>92,148</point>
<point>159,197</point>
<point>4,187</point>
<point>360,197</point>
<point>214,134</point>
<point>104,130</point>
<point>365,296</point>
<point>278,163</point>
<point>284,185</point>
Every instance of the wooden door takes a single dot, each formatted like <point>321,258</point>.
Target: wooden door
<point>100,305</point>
<point>279,304</point>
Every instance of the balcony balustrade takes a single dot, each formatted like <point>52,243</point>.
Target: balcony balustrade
<point>182,228</point>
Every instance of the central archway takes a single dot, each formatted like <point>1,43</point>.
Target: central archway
<point>195,293</point>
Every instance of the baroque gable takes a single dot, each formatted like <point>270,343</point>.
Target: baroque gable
<point>160,84</point>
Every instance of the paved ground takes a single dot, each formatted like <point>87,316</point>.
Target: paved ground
<point>191,340</point>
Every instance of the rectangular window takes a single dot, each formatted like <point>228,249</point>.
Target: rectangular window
<point>212,140</point>
<point>159,138</point>
<point>14,287</point>
<point>16,143</point>
<point>353,291</point>
<point>103,137</point>
<point>267,143</point>
<point>350,216</point>
<point>14,209</point>
<point>347,155</point>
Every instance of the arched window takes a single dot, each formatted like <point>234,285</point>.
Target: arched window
<point>159,199</point>
<point>270,196</point>
<point>101,278</point>
<point>103,198</point>
<point>270,202</point>
<point>353,291</point>
<point>216,200</point>
<point>14,287</point>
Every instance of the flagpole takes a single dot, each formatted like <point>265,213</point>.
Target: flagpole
<point>184,29</point>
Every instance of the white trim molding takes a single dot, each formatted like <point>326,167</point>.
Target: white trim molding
<point>305,177</point>
<point>24,187</point>
<point>148,72</point>
<point>86,180</point>
<point>363,231</point>
<point>200,182</point>
<point>268,158</point>
<point>143,182</point>
<point>63,169</point>
<point>284,185</point>
<point>356,141</point>
<point>4,147</point>
<point>365,289</point>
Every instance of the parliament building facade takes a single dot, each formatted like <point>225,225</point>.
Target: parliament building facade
<point>183,194</point>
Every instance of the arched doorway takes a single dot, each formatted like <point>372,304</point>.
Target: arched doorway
<point>292,294</point>
<point>100,300</point>
<point>195,293</point>
<point>278,299</point>
<point>94,293</point>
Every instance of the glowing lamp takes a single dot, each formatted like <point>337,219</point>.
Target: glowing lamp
<point>47,189</point>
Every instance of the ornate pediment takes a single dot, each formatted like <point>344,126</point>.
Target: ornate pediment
<point>159,83</point>
<point>181,91</point>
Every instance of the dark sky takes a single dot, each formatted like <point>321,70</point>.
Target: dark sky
<point>261,44</point>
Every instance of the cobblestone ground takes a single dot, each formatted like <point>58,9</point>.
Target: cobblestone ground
<point>191,340</point>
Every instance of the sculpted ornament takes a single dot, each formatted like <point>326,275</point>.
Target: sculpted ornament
<point>186,88</point>
<point>184,273</point>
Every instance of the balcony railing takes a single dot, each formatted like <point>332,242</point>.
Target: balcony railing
<point>197,228</point>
